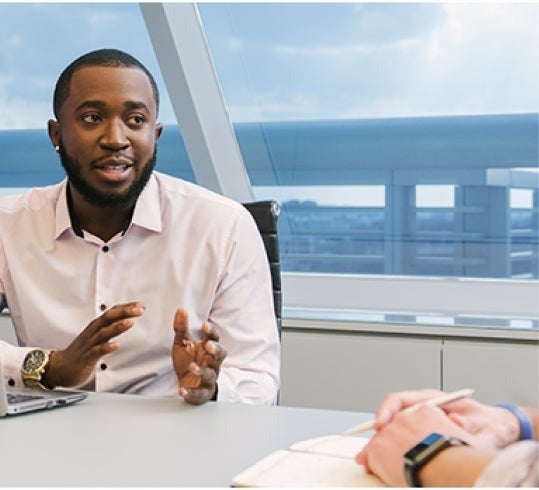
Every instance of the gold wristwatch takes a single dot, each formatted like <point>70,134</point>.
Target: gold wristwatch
<point>33,368</point>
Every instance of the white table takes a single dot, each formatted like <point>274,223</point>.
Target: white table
<point>132,441</point>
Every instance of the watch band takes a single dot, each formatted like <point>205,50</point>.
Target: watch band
<point>31,373</point>
<point>423,452</point>
<point>525,425</point>
<point>34,384</point>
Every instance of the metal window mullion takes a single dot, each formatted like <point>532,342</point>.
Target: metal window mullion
<point>179,43</point>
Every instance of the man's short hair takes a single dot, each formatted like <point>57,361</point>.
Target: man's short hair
<point>113,58</point>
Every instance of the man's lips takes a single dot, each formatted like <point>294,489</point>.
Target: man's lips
<point>113,162</point>
<point>114,168</point>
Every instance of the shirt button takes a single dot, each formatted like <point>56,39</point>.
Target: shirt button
<point>102,306</point>
<point>105,248</point>
<point>103,366</point>
<point>11,382</point>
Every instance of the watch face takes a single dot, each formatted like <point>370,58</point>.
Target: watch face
<point>427,448</point>
<point>34,360</point>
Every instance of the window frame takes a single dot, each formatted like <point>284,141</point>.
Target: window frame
<point>179,41</point>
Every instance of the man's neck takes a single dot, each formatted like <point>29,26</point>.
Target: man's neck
<point>101,222</point>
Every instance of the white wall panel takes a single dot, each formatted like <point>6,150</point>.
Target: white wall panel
<point>353,372</point>
<point>500,372</point>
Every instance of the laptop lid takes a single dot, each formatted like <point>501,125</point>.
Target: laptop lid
<point>16,401</point>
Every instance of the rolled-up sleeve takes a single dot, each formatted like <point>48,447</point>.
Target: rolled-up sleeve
<point>515,466</point>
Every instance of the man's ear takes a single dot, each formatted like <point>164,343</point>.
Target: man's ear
<point>158,131</point>
<point>54,132</point>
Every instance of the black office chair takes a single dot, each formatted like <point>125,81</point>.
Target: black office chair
<point>265,214</point>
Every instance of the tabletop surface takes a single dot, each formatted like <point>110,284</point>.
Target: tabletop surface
<point>132,441</point>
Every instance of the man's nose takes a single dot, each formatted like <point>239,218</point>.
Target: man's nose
<point>114,136</point>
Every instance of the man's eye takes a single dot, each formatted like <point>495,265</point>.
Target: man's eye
<point>137,120</point>
<point>91,118</point>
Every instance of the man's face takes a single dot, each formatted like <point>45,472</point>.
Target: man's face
<point>107,134</point>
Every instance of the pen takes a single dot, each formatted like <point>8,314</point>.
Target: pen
<point>436,401</point>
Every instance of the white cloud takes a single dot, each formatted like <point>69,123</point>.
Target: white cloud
<point>479,58</point>
<point>99,18</point>
<point>275,105</point>
<point>20,111</point>
<point>235,44</point>
<point>20,114</point>
<point>336,52</point>
<point>482,60</point>
<point>437,59</point>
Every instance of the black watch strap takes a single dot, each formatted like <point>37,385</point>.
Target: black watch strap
<point>421,453</point>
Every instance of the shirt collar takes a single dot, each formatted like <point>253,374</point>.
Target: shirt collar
<point>148,210</point>
<point>63,221</point>
<point>147,213</point>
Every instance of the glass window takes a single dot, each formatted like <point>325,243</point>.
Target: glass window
<point>425,102</point>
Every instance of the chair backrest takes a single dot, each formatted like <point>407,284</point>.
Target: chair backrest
<point>265,214</point>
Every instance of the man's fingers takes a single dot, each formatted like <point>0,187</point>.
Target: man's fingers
<point>197,396</point>
<point>94,340</point>
<point>112,315</point>
<point>113,330</point>
<point>215,354</point>
<point>74,364</point>
<point>192,396</point>
<point>207,375</point>
<point>181,325</point>
<point>197,378</point>
<point>120,312</point>
<point>209,333</point>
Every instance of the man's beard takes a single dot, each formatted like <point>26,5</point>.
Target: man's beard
<point>93,196</point>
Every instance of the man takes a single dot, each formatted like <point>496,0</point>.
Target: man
<point>463,443</point>
<point>135,281</point>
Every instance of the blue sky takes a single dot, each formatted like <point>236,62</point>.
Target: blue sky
<point>298,61</point>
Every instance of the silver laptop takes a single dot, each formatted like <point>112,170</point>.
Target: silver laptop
<point>14,402</point>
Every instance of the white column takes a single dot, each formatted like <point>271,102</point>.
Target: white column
<point>180,46</point>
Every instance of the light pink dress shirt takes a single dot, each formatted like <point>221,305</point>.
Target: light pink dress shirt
<point>186,247</point>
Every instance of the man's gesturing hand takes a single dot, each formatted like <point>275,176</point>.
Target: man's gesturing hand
<point>73,365</point>
<point>196,364</point>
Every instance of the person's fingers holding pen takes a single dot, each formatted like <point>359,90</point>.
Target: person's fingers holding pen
<point>397,401</point>
<point>491,426</point>
<point>383,454</point>
<point>74,364</point>
<point>487,426</point>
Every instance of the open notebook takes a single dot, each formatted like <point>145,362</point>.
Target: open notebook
<point>15,402</point>
<point>321,462</point>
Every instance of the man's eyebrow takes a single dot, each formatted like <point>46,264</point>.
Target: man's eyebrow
<point>100,105</point>
<point>132,105</point>
<point>92,104</point>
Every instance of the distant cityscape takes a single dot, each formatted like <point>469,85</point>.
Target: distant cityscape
<point>487,165</point>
